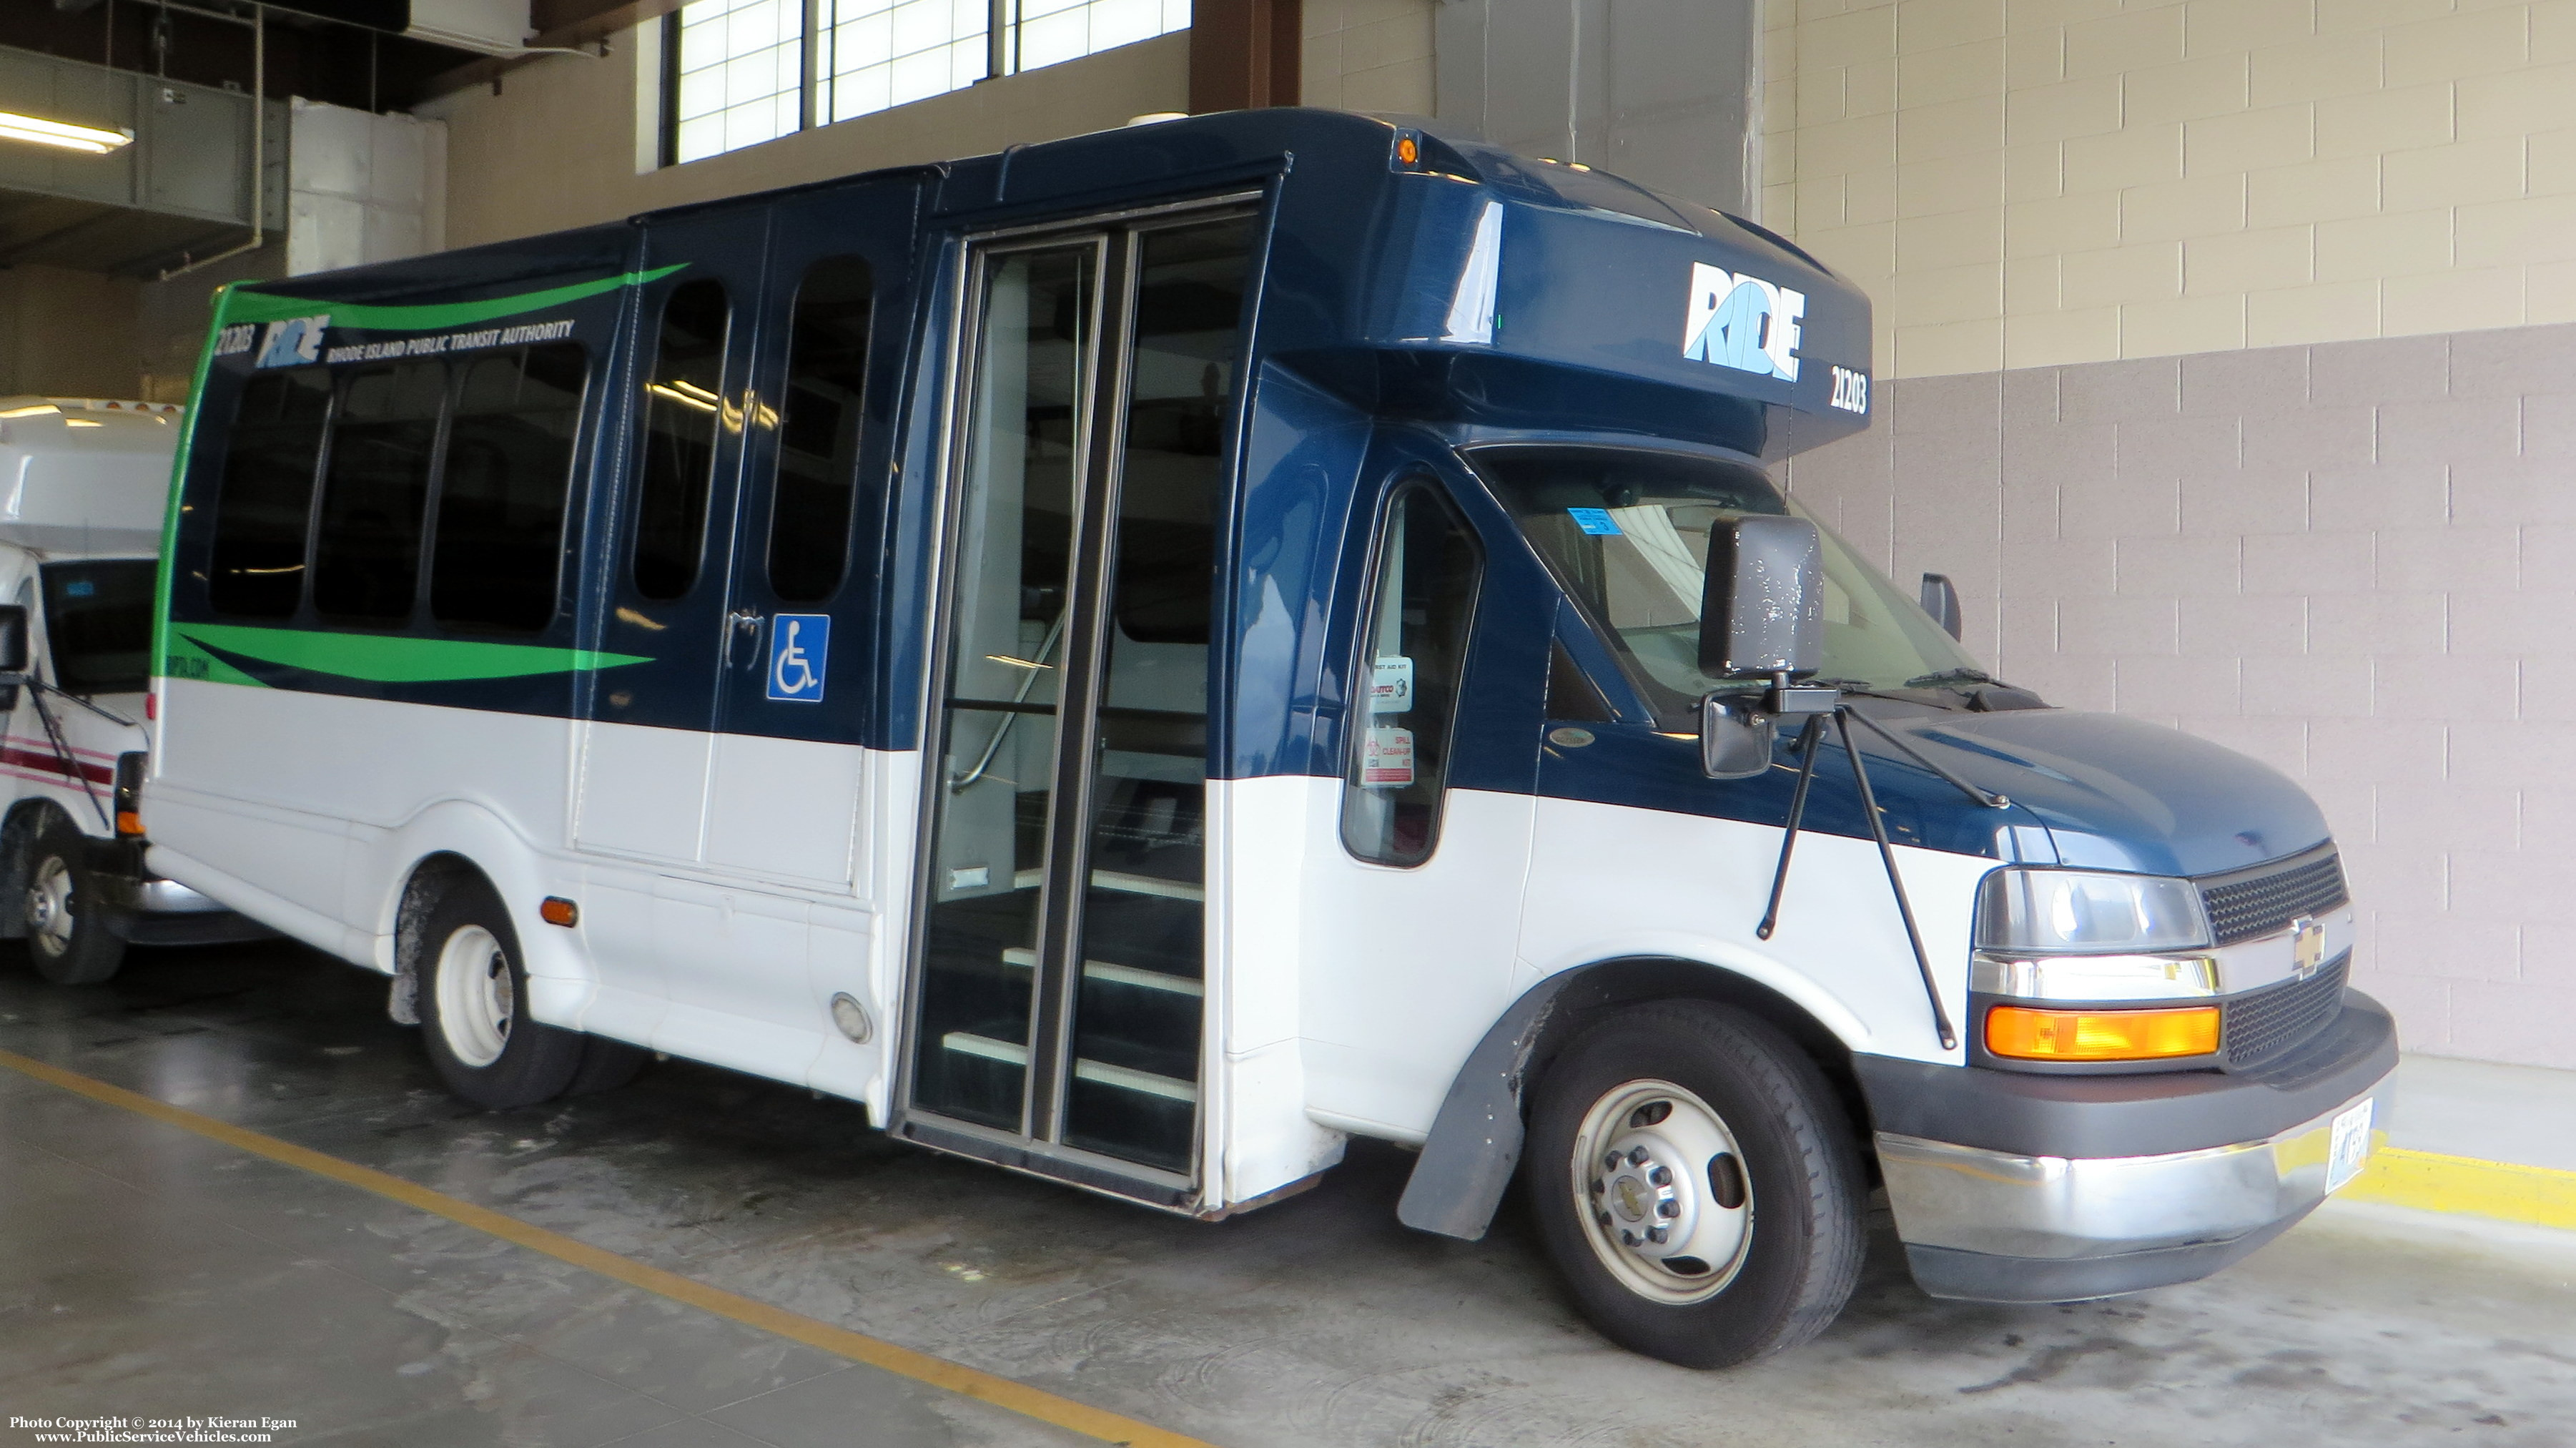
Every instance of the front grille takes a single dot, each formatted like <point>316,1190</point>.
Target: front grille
<point>2249,907</point>
<point>2269,1024</point>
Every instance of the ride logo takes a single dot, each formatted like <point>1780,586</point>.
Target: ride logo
<point>1741,321</point>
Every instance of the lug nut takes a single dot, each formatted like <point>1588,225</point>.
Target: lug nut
<point>1636,1156</point>
<point>1661,1176</point>
<point>1668,1208</point>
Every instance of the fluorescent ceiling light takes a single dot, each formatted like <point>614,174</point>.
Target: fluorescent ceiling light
<point>39,410</point>
<point>94,140</point>
<point>81,422</point>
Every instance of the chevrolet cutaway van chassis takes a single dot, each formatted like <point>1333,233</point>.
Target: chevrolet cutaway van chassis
<point>1143,657</point>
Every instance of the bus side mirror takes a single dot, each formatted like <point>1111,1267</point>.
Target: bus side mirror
<point>1941,600</point>
<point>1762,607</point>
<point>13,642</point>
<point>1735,738</point>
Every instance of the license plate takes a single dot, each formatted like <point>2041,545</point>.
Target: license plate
<point>2350,1146</point>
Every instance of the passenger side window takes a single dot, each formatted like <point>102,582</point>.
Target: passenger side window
<point>818,439</point>
<point>1413,652</point>
<point>266,497</point>
<point>683,399</point>
<point>366,562</point>
<point>502,489</point>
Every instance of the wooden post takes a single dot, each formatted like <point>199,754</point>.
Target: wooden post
<point>1244,54</point>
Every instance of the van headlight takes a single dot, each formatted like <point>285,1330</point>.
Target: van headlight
<point>2081,935</point>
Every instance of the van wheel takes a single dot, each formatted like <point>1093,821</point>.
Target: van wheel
<point>69,939</point>
<point>473,1010</point>
<point>1696,1184</point>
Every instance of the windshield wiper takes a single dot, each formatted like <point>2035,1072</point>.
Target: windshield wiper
<point>1955,678</point>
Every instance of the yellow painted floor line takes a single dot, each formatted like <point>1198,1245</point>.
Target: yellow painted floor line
<point>2430,1181</point>
<point>1002,1392</point>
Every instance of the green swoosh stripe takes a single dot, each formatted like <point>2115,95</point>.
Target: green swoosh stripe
<point>240,304</point>
<point>380,659</point>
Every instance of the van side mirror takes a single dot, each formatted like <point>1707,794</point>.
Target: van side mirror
<point>13,642</point>
<point>1735,737</point>
<point>1762,605</point>
<point>1941,600</point>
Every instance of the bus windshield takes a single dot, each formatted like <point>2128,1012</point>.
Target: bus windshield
<point>1626,531</point>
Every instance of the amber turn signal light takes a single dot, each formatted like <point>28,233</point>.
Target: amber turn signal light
<point>2025,1034</point>
<point>556,910</point>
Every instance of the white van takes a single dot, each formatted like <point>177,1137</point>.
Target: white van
<point>82,489</point>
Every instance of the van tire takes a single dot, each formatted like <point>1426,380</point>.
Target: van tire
<point>1699,1085</point>
<point>606,1065</point>
<point>473,994</point>
<point>70,937</point>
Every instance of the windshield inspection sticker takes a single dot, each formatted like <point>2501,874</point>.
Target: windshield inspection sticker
<point>1742,322</point>
<point>1386,758</point>
<point>1391,691</point>
<point>799,644</point>
<point>1596,521</point>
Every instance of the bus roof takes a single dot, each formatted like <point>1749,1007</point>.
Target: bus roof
<point>1412,269</point>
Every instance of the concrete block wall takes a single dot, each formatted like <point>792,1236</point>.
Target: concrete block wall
<point>1369,55</point>
<point>2353,560</point>
<point>2022,183</point>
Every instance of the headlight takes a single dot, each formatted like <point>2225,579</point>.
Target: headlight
<point>2074,935</point>
<point>2075,912</point>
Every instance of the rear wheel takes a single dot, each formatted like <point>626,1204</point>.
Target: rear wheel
<point>473,1007</point>
<point>1696,1184</point>
<point>69,938</point>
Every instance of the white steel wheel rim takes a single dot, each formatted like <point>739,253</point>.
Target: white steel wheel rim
<point>476,1001</point>
<point>1644,1172</point>
<point>49,907</point>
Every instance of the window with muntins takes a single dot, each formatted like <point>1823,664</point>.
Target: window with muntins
<point>265,501</point>
<point>1412,660</point>
<point>740,72</point>
<point>818,434</point>
<point>366,556</point>
<point>683,403</point>
<point>502,488</point>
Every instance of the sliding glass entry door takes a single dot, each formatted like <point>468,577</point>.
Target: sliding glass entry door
<point>1059,981</point>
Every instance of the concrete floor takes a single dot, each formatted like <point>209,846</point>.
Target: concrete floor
<point>148,1271</point>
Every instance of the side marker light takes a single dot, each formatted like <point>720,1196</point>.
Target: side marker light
<point>556,910</point>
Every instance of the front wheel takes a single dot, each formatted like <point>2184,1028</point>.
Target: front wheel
<point>473,1003</point>
<point>1696,1184</point>
<point>69,938</point>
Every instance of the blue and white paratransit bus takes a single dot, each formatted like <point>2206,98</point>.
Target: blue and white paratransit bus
<point>1142,657</point>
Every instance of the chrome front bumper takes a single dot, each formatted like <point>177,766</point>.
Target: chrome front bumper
<point>1991,1226</point>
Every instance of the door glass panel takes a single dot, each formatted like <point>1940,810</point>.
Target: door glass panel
<point>1413,653</point>
<point>1133,1085</point>
<point>1014,553</point>
<point>683,402</point>
<point>818,438</point>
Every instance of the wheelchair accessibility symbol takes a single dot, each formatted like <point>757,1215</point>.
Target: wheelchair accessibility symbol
<point>799,644</point>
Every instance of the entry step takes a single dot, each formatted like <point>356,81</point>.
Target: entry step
<point>1115,974</point>
<point>1131,884</point>
<point>1097,1072</point>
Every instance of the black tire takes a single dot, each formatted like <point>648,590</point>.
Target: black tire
<point>70,938</point>
<point>606,1065</point>
<point>1787,1215</point>
<point>472,986</point>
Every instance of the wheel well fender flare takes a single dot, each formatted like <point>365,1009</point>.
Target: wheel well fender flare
<point>1474,1146</point>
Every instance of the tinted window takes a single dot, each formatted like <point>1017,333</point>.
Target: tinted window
<point>818,440</point>
<point>366,560</point>
<point>98,624</point>
<point>683,397</point>
<point>257,565</point>
<point>1413,653</point>
<point>502,488</point>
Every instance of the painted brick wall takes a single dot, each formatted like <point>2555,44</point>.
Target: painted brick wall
<point>2354,560</point>
<point>2029,182</point>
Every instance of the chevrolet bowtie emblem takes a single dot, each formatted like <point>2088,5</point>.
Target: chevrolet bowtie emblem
<point>2307,945</point>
